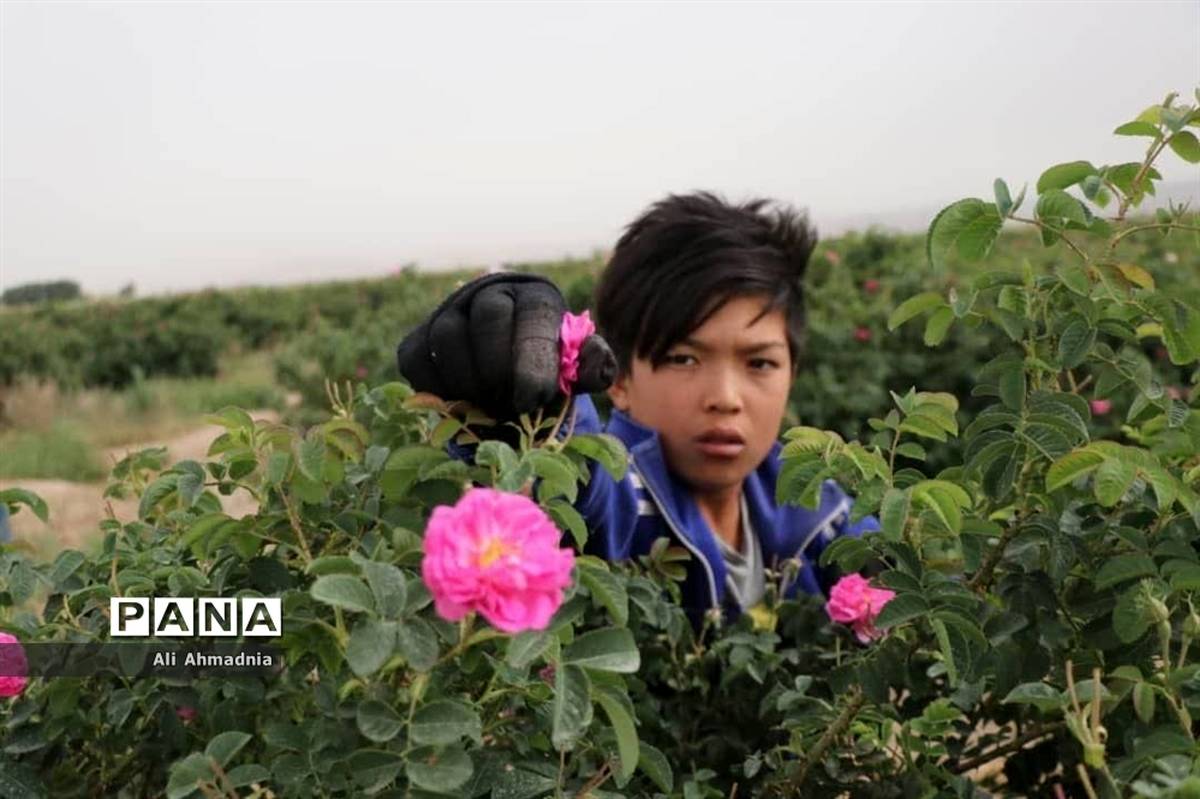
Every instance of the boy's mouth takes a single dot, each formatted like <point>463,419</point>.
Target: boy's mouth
<point>721,442</point>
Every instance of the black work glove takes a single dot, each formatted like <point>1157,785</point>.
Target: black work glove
<point>494,343</point>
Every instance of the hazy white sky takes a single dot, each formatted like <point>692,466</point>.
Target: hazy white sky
<point>181,145</point>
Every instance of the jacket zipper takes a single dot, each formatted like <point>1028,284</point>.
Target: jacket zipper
<point>712,581</point>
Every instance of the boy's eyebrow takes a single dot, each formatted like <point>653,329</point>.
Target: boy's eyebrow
<point>749,349</point>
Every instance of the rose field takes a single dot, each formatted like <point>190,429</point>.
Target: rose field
<point>1012,394</point>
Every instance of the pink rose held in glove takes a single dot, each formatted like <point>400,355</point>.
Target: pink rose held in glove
<point>572,334</point>
<point>496,553</point>
<point>13,666</point>
<point>853,601</point>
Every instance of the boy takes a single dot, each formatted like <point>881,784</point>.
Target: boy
<point>702,304</point>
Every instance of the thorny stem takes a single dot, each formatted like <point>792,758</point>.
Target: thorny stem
<point>1039,731</point>
<point>814,755</point>
<point>1137,228</point>
<point>294,520</point>
<point>1151,153</point>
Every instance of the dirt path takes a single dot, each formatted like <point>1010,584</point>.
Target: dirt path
<point>76,509</point>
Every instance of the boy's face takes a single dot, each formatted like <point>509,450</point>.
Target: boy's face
<point>718,400</point>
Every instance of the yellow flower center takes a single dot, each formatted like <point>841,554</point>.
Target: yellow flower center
<point>495,549</point>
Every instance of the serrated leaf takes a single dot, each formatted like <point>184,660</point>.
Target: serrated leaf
<point>608,649</point>
<point>1137,128</point>
<point>1038,694</point>
<point>1112,480</point>
<point>224,746</point>
<point>378,721</point>
<point>443,775</point>
<point>1122,568</point>
<point>893,513</point>
<point>343,591</point>
<point>901,608</point>
<point>623,727</point>
<point>526,647</point>
<point>1070,467</point>
<point>968,227</point>
<point>1136,275</point>
<point>912,307</point>
<point>14,497</point>
<point>608,590</point>
<point>1075,343</point>
<point>937,326</point>
<point>370,646</point>
<point>571,711</point>
<point>1061,176</point>
<point>445,722</point>
<point>1186,146</point>
<point>654,764</point>
<point>1131,618</point>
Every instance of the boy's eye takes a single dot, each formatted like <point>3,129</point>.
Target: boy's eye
<point>679,359</point>
<point>763,364</point>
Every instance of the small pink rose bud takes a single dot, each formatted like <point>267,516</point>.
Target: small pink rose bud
<point>833,257</point>
<point>853,601</point>
<point>547,674</point>
<point>871,285</point>
<point>361,372</point>
<point>1100,407</point>
<point>862,334</point>
<point>186,713</point>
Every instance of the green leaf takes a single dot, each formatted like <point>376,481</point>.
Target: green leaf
<point>247,774</point>
<point>1122,568</point>
<point>607,589</point>
<point>568,520</point>
<point>1040,695</point>
<point>370,646</point>
<point>571,712</point>
<point>605,449</point>
<point>654,764</point>
<point>893,513</point>
<point>155,493</point>
<point>445,722</point>
<point>1137,129</point>
<point>608,649</point>
<point>1061,176</point>
<point>332,564</point>
<point>937,326</point>
<point>1143,702</point>
<point>224,746</point>
<point>417,643</point>
<point>343,591</point>
<point>373,769</point>
<point>1004,203</point>
<point>914,306</point>
<point>901,608</point>
<point>969,227</point>
<point>378,721</point>
<point>1131,618</point>
<point>1112,480</point>
<point>1186,146</point>
<point>388,586</point>
<point>445,772</point>
<point>1075,343</point>
<point>943,638</point>
<point>1056,209</point>
<point>310,456</point>
<point>622,723</point>
<point>526,647</point>
<point>185,775</point>
<point>1070,467</point>
<point>12,497</point>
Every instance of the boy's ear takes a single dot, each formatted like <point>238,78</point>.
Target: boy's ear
<point>618,392</point>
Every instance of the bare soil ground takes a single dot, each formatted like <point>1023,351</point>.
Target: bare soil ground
<point>76,509</point>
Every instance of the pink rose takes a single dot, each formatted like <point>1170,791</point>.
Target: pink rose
<point>871,285</point>
<point>1100,407</point>
<point>13,666</point>
<point>862,334</point>
<point>571,335</point>
<point>186,713</point>
<point>853,601</point>
<point>361,372</point>
<point>498,554</point>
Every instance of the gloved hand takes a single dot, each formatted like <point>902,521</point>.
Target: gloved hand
<point>494,343</point>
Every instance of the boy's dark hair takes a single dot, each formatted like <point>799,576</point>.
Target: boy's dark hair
<point>687,255</point>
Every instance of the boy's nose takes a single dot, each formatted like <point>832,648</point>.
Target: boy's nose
<point>722,394</point>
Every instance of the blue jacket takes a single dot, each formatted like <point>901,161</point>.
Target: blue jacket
<point>624,518</point>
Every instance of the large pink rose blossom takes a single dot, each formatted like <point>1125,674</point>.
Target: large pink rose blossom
<point>13,666</point>
<point>498,554</point>
<point>571,335</point>
<point>853,601</point>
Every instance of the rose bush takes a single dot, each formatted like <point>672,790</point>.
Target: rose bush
<point>1045,571</point>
